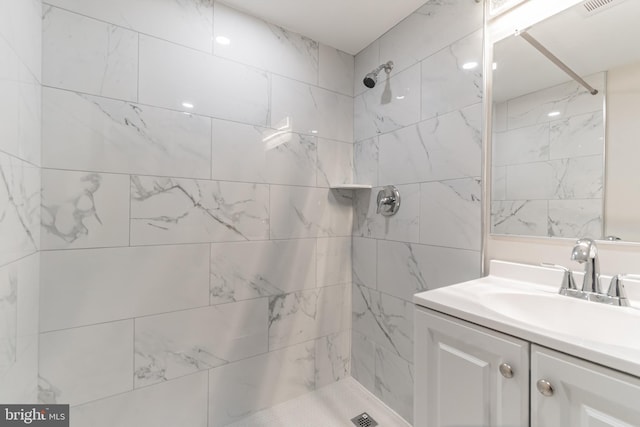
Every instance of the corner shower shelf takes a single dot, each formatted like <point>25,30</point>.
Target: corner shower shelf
<point>351,187</point>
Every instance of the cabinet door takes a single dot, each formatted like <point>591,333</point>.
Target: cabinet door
<point>583,394</point>
<point>458,380</point>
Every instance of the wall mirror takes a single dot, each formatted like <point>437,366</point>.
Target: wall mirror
<point>566,162</point>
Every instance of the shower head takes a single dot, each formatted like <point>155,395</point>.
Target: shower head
<point>371,79</point>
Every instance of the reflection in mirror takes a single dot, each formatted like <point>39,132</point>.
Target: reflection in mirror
<point>548,131</point>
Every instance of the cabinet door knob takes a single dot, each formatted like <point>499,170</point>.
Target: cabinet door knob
<point>506,370</point>
<point>544,387</point>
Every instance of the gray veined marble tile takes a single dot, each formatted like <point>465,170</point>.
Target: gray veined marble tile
<point>394,382</point>
<point>365,162</point>
<point>20,212</point>
<point>305,315</point>
<point>185,23</point>
<point>449,79</point>
<point>82,210</point>
<point>364,252</point>
<point>8,318</point>
<point>83,364</point>
<point>447,147</point>
<point>522,145</point>
<point>298,212</point>
<point>334,261</point>
<point>363,360</point>
<point>167,210</point>
<point>25,33</point>
<point>130,138</point>
<point>405,268</point>
<point>386,320</point>
<point>532,181</point>
<point>335,163</point>
<point>526,217</point>
<point>450,213</point>
<point>246,270</point>
<point>499,183</point>
<point>171,76</point>
<point>332,358</point>
<point>241,388</point>
<point>20,107</point>
<point>581,135</point>
<point>264,45</point>
<point>571,218</point>
<point>171,345</point>
<point>181,402</point>
<point>88,286</point>
<point>89,56</point>
<point>393,104</point>
<point>578,178</point>
<point>336,70</point>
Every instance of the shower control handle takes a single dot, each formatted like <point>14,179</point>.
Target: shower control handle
<point>388,201</point>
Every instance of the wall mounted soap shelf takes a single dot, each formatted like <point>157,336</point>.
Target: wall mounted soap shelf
<point>351,187</point>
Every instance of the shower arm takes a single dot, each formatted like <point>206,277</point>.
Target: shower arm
<point>387,67</point>
<point>543,50</point>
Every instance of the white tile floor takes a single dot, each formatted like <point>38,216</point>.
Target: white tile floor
<point>330,406</point>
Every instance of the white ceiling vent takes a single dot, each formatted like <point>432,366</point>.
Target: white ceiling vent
<point>591,7</point>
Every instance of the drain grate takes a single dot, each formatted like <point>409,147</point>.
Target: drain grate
<point>364,420</point>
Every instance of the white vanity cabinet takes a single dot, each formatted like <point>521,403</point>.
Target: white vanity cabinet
<point>467,375</point>
<point>582,394</point>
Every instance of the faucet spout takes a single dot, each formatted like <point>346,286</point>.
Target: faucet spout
<point>585,252</point>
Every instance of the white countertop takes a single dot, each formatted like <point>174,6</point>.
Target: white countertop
<point>602,334</point>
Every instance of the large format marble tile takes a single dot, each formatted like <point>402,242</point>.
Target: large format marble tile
<point>403,226</point>
<point>181,402</point>
<point>449,79</point>
<point>88,286</point>
<point>175,344</point>
<point>264,45</point>
<point>571,218</point>
<point>450,213</point>
<point>241,388</point>
<point>333,359</point>
<point>186,23</point>
<point>394,103</point>
<point>171,76</point>
<point>365,162</point>
<point>429,29</point>
<point>311,110</point>
<point>306,315</point>
<point>404,269</point>
<point>364,255</point>
<point>334,261</point>
<point>335,163</point>
<point>84,210</point>
<point>336,70</point>
<point>246,270</point>
<point>581,135</point>
<point>21,28</point>
<point>394,382</point>
<point>242,152</point>
<point>366,60</point>
<point>88,56</point>
<point>522,145</point>
<point>19,301</point>
<point>386,320</point>
<point>86,132</point>
<point>20,212</point>
<point>568,99</point>
<point>167,210</point>
<point>525,217</point>
<point>298,212</point>
<point>20,107</point>
<point>83,364</point>
<point>363,366</point>
<point>499,183</point>
<point>531,181</point>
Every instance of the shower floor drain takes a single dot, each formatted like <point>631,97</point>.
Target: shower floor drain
<point>364,420</point>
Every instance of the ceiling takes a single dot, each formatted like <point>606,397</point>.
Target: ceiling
<point>348,25</point>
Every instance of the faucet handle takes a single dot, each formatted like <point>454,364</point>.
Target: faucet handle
<point>616,288</point>
<point>567,280</point>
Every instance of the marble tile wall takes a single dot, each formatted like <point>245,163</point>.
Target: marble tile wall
<point>420,130</point>
<point>196,266</point>
<point>548,149</point>
<point>20,140</point>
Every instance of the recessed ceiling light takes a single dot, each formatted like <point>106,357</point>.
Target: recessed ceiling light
<point>187,105</point>
<point>554,114</point>
<point>225,41</point>
<point>469,65</point>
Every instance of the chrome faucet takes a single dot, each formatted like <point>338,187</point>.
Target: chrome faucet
<point>585,252</point>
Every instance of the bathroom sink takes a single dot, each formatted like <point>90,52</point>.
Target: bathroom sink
<point>523,301</point>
